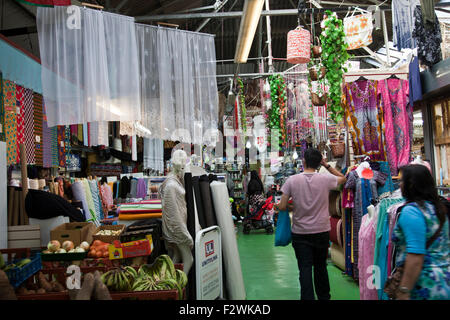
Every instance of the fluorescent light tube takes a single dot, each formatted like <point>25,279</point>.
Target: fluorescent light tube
<point>247,30</point>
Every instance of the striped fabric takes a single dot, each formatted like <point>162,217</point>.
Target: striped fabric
<point>20,118</point>
<point>54,145</point>
<point>61,146</point>
<point>47,142</point>
<point>38,118</point>
<point>67,143</point>
<point>2,111</point>
<point>29,125</point>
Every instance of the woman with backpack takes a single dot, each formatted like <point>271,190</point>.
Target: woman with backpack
<point>421,237</point>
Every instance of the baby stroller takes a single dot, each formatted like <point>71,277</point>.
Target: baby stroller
<point>259,217</point>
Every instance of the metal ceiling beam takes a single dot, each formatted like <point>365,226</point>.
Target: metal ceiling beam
<point>238,14</point>
<point>18,31</point>
<point>217,9</point>
<point>121,5</point>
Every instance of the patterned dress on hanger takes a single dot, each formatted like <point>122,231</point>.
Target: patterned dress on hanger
<point>394,95</point>
<point>365,119</point>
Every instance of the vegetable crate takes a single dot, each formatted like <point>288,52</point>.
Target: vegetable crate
<point>18,275</point>
<point>60,275</point>
<point>109,239</point>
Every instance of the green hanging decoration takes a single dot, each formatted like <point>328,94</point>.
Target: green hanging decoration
<point>277,114</point>
<point>243,109</point>
<point>334,56</point>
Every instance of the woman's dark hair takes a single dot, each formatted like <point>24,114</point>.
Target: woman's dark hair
<point>313,157</point>
<point>255,184</point>
<point>419,186</point>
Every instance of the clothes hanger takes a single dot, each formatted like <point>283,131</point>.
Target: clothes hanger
<point>361,78</point>
<point>393,76</point>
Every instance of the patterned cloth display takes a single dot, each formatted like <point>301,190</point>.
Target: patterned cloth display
<point>47,144</point>
<point>358,31</point>
<point>10,128</point>
<point>38,118</point>
<point>11,135</point>
<point>2,111</point>
<point>403,23</point>
<point>29,125</point>
<point>394,94</point>
<point>54,145</point>
<point>20,119</point>
<point>365,119</point>
<point>428,38</point>
<point>61,146</point>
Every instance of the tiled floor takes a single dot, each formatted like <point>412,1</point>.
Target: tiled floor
<point>271,273</point>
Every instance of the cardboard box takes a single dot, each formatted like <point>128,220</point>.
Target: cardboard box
<point>132,249</point>
<point>76,232</point>
<point>28,236</point>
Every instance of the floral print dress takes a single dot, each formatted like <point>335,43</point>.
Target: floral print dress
<point>434,280</point>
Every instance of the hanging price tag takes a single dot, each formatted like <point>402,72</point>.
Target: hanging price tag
<point>38,139</point>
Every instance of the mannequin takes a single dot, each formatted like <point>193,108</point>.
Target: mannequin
<point>179,242</point>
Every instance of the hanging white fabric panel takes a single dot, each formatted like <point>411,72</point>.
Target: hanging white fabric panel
<point>154,154</point>
<point>89,66</point>
<point>179,89</point>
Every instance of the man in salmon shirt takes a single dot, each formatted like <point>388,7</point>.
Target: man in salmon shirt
<point>311,221</point>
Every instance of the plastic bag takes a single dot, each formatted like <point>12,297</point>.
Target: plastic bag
<point>283,235</point>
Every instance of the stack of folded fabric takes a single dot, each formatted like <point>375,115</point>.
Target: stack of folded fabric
<point>140,210</point>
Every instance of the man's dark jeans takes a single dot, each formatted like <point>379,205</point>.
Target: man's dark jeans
<point>311,251</point>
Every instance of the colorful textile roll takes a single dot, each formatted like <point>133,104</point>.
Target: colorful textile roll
<point>90,201</point>
<point>38,119</point>
<point>20,119</point>
<point>54,145</point>
<point>11,135</point>
<point>2,111</point>
<point>29,125</point>
<point>139,216</point>
<point>61,131</point>
<point>46,144</point>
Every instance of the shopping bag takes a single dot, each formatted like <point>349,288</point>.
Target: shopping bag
<point>358,31</point>
<point>283,235</point>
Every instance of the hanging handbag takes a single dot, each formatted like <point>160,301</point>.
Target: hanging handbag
<point>393,282</point>
<point>283,235</point>
<point>358,30</point>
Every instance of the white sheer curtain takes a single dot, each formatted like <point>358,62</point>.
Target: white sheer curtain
<point>89,66</point>
<point>179,88</point>
<point>154,154</point>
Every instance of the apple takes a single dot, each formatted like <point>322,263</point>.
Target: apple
<point>53,245</point>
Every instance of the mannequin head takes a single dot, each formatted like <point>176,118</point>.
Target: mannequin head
<point>179,160</point>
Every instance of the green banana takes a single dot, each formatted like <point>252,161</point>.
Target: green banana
<point>9,267</point>
<point>181,278</point>
<point>23,262</point>
<point>169,265</point>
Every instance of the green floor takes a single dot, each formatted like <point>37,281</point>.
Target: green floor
<point>271,273</point>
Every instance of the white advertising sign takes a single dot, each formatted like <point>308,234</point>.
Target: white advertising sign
<point>208,264</point>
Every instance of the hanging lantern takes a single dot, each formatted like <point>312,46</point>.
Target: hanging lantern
<point>298,46</point>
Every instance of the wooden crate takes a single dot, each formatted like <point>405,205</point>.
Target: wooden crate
<point>24,236</point>
<point>108,239</point>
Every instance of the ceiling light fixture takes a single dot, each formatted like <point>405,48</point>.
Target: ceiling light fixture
<point>247,30</point>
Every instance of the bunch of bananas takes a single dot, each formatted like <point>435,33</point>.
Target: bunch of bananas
<point>120,279</point>
<point>161,275</point>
